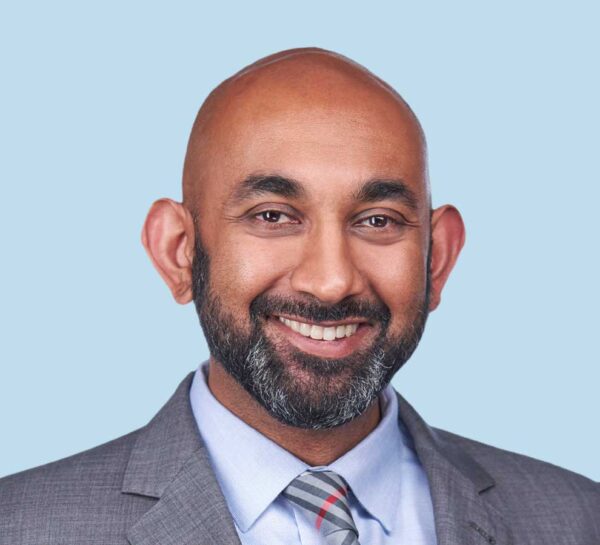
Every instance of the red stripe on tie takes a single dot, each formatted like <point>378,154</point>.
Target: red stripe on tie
<point>339,493</point>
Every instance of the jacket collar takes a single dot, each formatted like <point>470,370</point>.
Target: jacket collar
<point>458,484</point>
<point>170,463</point>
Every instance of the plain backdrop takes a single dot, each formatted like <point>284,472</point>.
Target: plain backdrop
<point>97,99</point>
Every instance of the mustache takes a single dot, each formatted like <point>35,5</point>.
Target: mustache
<point>265,305</point>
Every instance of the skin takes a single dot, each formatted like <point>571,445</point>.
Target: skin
<point>330,125</point>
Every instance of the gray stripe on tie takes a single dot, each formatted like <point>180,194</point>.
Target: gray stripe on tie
<point>320,504</point>
<point>338,521</point>
<point>350,538</point>
<point>329,480</point>
<point>320,493</point>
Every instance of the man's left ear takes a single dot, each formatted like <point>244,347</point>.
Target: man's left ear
<point>168,237</point>
<point>447,240</point>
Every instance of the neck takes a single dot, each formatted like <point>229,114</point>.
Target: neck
<point>314,447</point>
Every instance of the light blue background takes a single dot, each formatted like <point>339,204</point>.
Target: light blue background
<point>97,102</point>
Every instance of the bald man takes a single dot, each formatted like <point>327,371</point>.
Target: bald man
<point>307,242</point>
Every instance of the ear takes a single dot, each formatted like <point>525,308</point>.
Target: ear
<point>168,237</point>
<point>447,240</point>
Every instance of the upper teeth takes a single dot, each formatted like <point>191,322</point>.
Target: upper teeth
<point>319,332</point>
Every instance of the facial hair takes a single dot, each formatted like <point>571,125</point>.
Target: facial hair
<point>297,388</point>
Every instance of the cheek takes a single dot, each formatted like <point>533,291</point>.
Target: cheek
<point>244,267</point>
<point>398,276</point>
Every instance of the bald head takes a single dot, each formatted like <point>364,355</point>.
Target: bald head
<point>310,90</point>
<point>305,202</point>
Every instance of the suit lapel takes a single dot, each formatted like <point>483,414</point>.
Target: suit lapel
<point>170,463</point>
<point>192,510</point>
<point>458,485</point>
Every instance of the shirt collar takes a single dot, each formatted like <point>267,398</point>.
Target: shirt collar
<point>251,469</point>
<point>252,477</point>
<point>373,469</point>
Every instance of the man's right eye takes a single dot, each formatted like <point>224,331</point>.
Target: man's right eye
<point>274,216</point>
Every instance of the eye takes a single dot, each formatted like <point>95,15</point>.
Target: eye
<point>274,216</point>
<point>379,221</point>
<point>271,216</point>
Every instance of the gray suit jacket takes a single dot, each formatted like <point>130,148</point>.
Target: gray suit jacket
<point>155,486</point>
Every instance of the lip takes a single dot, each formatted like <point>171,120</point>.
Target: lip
<point>338,348</point>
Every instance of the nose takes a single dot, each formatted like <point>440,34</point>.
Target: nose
<point>326,268</point>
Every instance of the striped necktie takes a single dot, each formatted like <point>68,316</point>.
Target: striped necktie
<point>322,498</point>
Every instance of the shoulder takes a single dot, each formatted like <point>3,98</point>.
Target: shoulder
<point>103,464</point>
<point>517,469</point>
<point>62,497</point>
<point>526,489</point>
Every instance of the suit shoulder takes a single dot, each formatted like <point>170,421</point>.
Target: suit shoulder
<point>87,482</point>
<point>525,478</point>
<point>504,463</point>
<point>113,454</point>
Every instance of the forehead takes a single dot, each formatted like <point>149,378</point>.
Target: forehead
<point>329,136</point>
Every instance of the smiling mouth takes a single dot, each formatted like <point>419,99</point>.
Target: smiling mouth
<point>321,333</point>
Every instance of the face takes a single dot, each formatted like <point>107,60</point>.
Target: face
<point>311,268</point>
<point>296,385</point>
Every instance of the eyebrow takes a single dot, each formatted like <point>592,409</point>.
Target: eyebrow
<point>383,190</point>
<point>371,191</point>
<point>254,186</point>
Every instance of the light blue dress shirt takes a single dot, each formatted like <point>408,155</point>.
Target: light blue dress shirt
<point>390,499</point>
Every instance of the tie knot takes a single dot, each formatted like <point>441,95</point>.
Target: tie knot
<point>322,496</point>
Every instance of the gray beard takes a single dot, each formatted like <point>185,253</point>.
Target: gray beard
<point>328,410</point>
<point>331,392</point>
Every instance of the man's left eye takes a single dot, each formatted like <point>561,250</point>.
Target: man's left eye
<point>378,221</point>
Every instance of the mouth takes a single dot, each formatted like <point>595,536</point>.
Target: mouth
<point>324,339</point>
<point>321,332</point>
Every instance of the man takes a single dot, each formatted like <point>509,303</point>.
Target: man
<point>307,242</point>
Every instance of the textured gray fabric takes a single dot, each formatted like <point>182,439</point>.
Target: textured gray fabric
<point>321,499</point>
<point>156,486</point>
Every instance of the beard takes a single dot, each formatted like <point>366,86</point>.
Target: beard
<point>297,388</point>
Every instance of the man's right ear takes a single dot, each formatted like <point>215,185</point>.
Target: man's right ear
<point>168,237</point>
